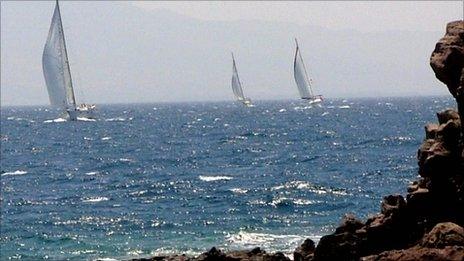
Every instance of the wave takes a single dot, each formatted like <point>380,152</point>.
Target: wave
<point>85,119</point>
<point>283,201</point>
<point>56,120</point>
<point>15,173</point>
<point>285,243</point>
<point>94,199</point>
<point>317,189</point>
<point>116,119</point>
<point>214,178</point>
<point>238,190</point>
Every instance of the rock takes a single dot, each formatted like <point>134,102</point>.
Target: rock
<point>211,255</point>
<point>449,253</point>
<point>450,134</point>
<point>349,224</point>
<point>447,60</point>
<point>444,234</point>
<point>431,130</point>
<point>344,246</point>
<point>305,252</point>
<point>256,254</point>
<point>446,115</point>
<point>435,159</point>
<point>392,203</point>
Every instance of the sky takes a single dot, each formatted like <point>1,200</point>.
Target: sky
<point>365,16</point>
<point>129,52</point>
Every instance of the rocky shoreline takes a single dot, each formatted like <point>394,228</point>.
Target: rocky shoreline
<point>428,223</point>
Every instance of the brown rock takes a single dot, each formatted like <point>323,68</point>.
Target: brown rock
<point>305,252</point>
<point>349,224</point>
<point>446,115</point>
<point>449,253</point>
<point>211,255</point>
<point>392,203</point>
<point>431,130</point>
<point>344,246</point>
<point>447,60</point>
<point>444,234</point>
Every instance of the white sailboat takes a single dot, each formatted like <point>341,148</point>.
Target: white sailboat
<point>237,86</point>
<point>57,73</point>
<point>303,82</point>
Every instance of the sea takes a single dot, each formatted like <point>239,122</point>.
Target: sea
<point>172,178</point>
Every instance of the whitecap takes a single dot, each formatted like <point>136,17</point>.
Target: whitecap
<point>344,107</point>
<point>106,138</point>
<point>94,199</point>
<point>325,113</point>
<point>91,173</point>
<point>239,190</point>
<point>56,120</point>
<point>85,119</point>
<point>282,110</point>
<point>287,243</point>
<point>214,178</point>
<point>15,173</point>
<point>116,119</point>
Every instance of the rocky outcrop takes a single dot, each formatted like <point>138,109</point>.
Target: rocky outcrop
<point>447,61</point>
<point>444,242</point>
<point>437,197</point>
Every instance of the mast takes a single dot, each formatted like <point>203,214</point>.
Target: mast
<point>304,67</point>
<point>66,56</point>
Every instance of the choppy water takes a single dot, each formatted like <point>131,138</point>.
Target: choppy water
<point>169,178</point>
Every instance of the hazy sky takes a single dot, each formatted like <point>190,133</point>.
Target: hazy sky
<point>360,15</point>
<point>123,52</point>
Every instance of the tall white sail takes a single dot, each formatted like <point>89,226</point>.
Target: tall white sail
<point>301,76</point>
<point>55,66</point>
<point>236,84</point>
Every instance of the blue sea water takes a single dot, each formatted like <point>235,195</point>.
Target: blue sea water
<point>153,179</point>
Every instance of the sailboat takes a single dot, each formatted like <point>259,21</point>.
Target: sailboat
<point>237,86</point>
<point>303,82</point>
<point>57,73</point>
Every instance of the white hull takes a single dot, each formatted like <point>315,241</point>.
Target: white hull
<point>247,103</point>
<point>83,111</point>
<point>315,101</point>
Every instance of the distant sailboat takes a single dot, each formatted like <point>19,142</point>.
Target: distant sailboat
<point>237,86</point>
<point>55,65</point>
<point>303,82</point>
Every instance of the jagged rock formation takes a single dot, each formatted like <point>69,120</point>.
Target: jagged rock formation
<point>447,62</point>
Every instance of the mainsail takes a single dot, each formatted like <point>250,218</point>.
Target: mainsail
<point>301,76</point>
<point>55,66</point>
<point>236,84</point>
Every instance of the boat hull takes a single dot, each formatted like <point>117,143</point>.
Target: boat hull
<point>315,100</point>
